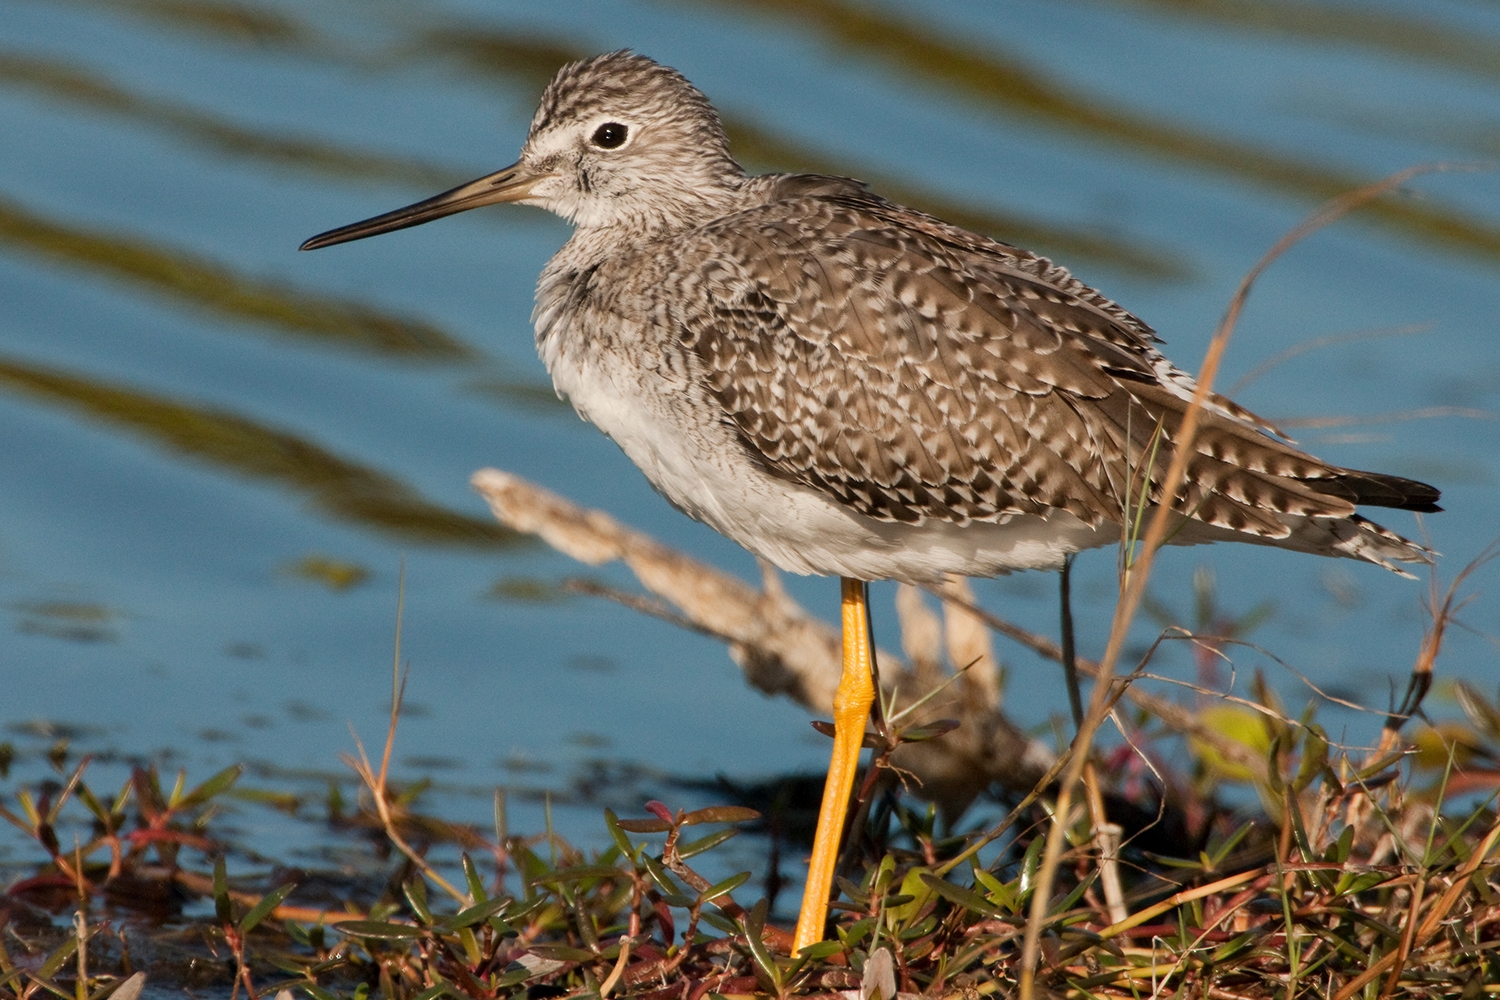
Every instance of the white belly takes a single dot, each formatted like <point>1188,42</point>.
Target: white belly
<point>698,464</point>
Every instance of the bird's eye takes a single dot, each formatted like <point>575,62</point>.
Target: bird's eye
<point>610,135</point>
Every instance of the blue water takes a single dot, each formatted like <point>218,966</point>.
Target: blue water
<point>148,576</point>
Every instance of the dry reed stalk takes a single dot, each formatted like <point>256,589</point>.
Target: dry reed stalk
<point>1139,571</point>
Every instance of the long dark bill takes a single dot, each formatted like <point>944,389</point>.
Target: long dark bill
<point>511,184</point>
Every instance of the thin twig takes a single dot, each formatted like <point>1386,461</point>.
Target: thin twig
<point>1174,716</point>
<point>377,782</point>
<point>1390,417</point>
<point>1318,343</point>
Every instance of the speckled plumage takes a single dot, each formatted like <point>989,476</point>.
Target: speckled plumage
<point>846,386</point>
<point>907,371</point>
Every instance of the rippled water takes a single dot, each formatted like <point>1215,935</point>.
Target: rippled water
<point>217,452</point>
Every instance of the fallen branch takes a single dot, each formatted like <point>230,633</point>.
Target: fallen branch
<point>780,647</point>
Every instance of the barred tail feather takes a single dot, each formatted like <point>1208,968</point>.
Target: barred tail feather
<point>1352,537</point>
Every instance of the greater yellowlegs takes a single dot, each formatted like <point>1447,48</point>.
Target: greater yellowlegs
<point>849,387</point>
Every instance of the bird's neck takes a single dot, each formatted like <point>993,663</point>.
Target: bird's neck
<point>654,214</point>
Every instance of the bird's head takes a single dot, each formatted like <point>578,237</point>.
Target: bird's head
<point>618,140</point>
<point>622,139</point>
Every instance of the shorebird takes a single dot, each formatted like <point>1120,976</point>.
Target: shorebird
<point>851,388</point>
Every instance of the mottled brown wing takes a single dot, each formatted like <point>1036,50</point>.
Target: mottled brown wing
<point>911,370</point>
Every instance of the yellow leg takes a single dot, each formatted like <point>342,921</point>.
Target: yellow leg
<point>851,710</point>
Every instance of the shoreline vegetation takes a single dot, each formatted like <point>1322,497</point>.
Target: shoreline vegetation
<point>1223,850</point>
